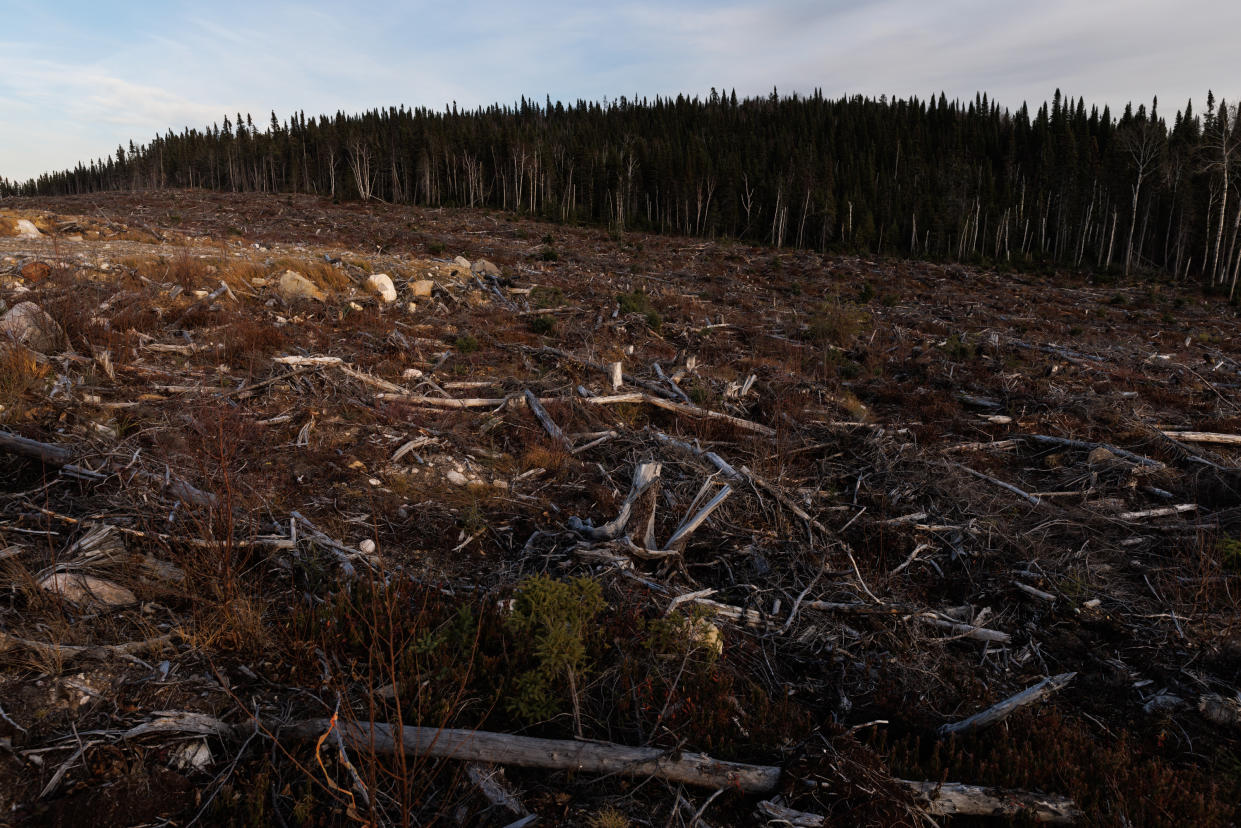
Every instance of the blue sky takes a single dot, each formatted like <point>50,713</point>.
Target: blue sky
<point>79,78</point>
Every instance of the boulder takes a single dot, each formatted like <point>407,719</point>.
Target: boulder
<point>381,285</point>
<point>87,589</point>
<point>421,289</point>
<point>36,271</point>
<point>27,230</point>
<point>1100,457</point>
<point>482,267</point>
<point>28,324</point>
<point>294,286</point>
<point>462,261</point>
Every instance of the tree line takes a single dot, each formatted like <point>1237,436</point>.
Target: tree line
<point>951,180</point>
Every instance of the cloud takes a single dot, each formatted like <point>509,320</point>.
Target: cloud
<point>122,73</point>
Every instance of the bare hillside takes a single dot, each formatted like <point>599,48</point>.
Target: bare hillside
<point>335,514</point>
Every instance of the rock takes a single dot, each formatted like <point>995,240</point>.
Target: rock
<point>462,261</point>
<point>294,286</point>
<point>87,589</point>
<point>193,756</point>
<point>160,570</point>
<point>1100,457</point>
<point>36,271</point>
<point>412,307</point>
<point>702,633</point>
<point>421,289</point>
<point>457,478</point>
<point>29,325</point>
<point>27,230</point>
<point>1163,702</point>
<point>1220,710</point>
<point>482,267</point>
<point>381,285</point>
<point>367,547</point>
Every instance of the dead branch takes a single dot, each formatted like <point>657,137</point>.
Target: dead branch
<point>67,651</point>
<point>1034,501</point>
<point>62,457</point>
<point>549,425</point>
<point>644,477</point>
<point>1087,446</point>
<point>1167,511</point>
<point>1002,710</point>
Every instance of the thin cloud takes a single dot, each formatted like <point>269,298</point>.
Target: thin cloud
<point>137,73</point>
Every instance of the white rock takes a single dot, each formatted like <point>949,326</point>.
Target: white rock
<point>462,261</point>
<point>381,285</point>
<point>27,230</point>
<point>193,756</point>
<point>457,478</point>
<point>411,373</point>
<point>702,633</point>
<point>485,268</point>
<point>412,307</point>
<point>355,306</point>
<point>29,325</point>
<point>293,286</point>
<point>87,589</point>
<point>421,289</point>
<point>367,547</point>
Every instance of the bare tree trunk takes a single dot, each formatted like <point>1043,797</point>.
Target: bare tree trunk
<point>1112,238</point>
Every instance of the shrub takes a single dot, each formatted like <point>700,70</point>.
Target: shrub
<point>639,302</point>
<point>836,323</point>
<point>543,324</point>
<point>466,344</point>
<point>547,297</point>
<point>553,621</point>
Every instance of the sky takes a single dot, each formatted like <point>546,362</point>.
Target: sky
<point>77,79</point>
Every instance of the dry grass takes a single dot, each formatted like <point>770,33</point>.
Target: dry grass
<point>22,374</point>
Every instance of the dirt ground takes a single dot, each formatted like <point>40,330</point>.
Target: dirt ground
<point>890,494</point>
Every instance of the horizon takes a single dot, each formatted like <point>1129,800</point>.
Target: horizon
<point>128,74</point>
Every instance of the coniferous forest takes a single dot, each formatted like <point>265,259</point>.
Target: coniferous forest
<point>951,180</point>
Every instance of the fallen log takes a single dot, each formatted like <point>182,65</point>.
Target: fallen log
<point>958,799</point>
<point>1205,437</point>
<point>526,751</point>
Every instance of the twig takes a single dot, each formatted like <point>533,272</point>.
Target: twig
<point>1034,501</point>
